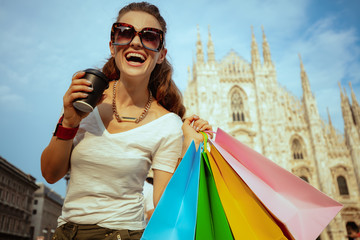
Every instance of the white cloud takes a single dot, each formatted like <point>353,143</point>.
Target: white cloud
<point>327,53</point>
<point>330,56</point>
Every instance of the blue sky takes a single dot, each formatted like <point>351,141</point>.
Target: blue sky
<point>44,42</point>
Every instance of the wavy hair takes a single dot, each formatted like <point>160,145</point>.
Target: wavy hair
<point>161,84</point>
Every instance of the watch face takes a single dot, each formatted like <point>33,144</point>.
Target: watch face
<point>56,129</point>
<point>57,125</point>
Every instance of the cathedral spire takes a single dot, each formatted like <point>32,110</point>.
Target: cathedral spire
<point>345,108</point>
<point>210,49</point>
<point>341,93</point>
<point>189,74</point>
<point>266,50</point>
<point>304,80</point>
<point>199,49</point>
<point>355,108</point>
<point>353,97</point>
<point>255,56</point>
<point>332,129</point>
<point>329,118</point>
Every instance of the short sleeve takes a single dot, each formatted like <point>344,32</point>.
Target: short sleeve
<point>167,154</point>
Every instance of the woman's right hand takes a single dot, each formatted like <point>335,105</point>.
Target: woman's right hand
<point>55,159</point>
<point>79,88</point>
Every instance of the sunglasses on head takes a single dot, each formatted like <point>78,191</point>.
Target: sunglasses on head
<point>123,33</point>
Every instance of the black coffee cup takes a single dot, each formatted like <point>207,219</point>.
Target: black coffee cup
<point>99,83</point>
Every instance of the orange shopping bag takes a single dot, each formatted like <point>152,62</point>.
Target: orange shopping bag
<point>247,217</point>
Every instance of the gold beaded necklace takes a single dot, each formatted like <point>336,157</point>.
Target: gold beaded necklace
<point>130,119</point>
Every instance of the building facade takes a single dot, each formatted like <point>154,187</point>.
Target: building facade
<point>47,206</point>
<point>245,100</point>
<point>16,197</point>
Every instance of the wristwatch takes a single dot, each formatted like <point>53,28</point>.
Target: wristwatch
<point>64,133</point>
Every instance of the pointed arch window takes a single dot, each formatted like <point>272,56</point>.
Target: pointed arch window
<point>237,107</point>
<point>297,149</point>
<point>342,184</point>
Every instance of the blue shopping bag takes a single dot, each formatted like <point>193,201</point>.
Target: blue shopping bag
<point>175,215</point>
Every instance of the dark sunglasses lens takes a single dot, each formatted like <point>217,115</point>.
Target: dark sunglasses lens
<point>151,39</point>
<point>123,35</point>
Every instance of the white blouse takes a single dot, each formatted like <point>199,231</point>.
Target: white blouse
<point>108,170</point>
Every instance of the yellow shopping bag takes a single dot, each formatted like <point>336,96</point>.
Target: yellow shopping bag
<point>247,217</point>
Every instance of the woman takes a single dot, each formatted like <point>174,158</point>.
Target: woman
<point>116,144</point>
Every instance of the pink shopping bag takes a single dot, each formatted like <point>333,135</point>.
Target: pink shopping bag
<point>304,210</point>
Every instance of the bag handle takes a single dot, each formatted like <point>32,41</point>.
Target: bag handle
<point>205,139</point>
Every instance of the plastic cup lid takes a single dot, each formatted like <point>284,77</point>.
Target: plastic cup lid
<point>97,73</point>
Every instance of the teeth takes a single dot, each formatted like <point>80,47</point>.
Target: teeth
<point>135,55</point>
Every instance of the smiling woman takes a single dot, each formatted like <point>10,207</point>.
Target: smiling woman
<point>136,126</point>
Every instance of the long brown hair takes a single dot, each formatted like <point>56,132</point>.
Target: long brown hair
<point>161,84</point>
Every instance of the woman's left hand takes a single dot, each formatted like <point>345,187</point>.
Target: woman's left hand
<point>192,127</point>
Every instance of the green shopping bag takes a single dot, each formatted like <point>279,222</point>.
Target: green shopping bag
<point>211,222</point>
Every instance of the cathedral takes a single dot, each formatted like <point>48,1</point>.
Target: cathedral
<point>245,100</point>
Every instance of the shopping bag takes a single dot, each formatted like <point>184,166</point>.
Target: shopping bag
<point>247,217</point>
<point>175,215</point>
<point>304,210</point>
<point>211,223</point>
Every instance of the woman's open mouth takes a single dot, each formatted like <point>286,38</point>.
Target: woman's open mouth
<point>135,58</point>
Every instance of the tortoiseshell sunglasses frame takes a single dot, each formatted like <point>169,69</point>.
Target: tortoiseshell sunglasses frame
<point>139,33</point>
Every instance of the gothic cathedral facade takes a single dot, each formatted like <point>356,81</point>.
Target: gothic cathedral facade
<point>245,100</point>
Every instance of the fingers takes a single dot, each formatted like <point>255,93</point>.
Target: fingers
<point>190,119</point>
<point>199,125</point>
<point>78,75</point>
<point>79,88</point>
<point>203,126</point>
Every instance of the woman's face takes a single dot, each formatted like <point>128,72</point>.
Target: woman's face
<point>133,60</point>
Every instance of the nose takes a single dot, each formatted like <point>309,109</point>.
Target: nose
<point>136,42</point>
